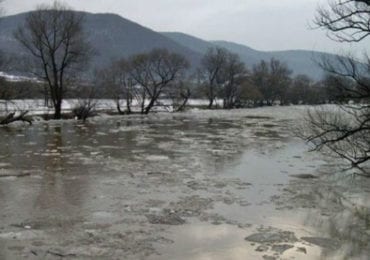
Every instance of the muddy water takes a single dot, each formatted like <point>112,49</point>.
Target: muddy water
<point>180,186</point>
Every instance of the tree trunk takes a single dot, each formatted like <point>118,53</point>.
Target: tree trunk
<point>182,106</point>
<point>128,104</point>
<point>12,118</point>
<point>119,107</point>
<point>149,106</point>
<point>210,105</point>
<point>143,97</point>
<point>58,110</point>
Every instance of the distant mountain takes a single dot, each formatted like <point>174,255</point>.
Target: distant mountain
<point>299,61</point>
<point>112,36</point>
<point>195,44</point>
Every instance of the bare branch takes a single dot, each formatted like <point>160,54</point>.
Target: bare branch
<point>154,71</point>
<point>345,20</point>
<point>53,35</point>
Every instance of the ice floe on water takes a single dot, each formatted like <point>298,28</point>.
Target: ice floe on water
<point>196,185</point>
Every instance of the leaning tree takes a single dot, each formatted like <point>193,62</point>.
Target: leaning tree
<point>54,36</point>
<point>346,130</point>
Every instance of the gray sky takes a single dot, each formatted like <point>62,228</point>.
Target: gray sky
<point>260,24</point>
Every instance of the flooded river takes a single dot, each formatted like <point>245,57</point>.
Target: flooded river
<point>197,185</point>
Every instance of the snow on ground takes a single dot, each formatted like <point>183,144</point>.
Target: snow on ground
<point>14,78</point>
<point>37,107</point>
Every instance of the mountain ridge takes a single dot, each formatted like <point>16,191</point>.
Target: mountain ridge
<point>116,37</point>
<point>112,36</point>
<point>299,61</point>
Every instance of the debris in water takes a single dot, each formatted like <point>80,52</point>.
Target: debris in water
<point>302,250</point>
<point>168,218</point>
<point>272,237</point>
<point>304,176</point>
<point>281,248</point>
<point>268,257</point>
<point>322,242</point>
<point>262,248</point>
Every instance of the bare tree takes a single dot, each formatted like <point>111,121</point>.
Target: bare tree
<point>211,72</point>
<point>88,96</point>
<point>272,79</point>
<point>119,85</point>
<point>345,20</point>
<point>154,72</point>
<point>53,35</point>
<point>304,90</point>
<point>6,93</point>
<point>249,95</point>
<point>334,88</point>
<point>234,75</point>
<point>180,93</point>
<point>345,132</point>
<point>260,78</point>
<point>298,90</point>
<point>280,79</point>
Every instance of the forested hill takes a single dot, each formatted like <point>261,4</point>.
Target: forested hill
<point>299,61</point>
<point>114,37</point>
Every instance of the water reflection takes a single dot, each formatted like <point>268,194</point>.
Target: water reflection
<point>349,221</point>
<point>203,242</point>
<point>56,191</point>
<point>93,182</point>
<point>337,208</point>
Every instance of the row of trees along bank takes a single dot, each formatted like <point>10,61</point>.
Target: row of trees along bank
<point>54,36</point>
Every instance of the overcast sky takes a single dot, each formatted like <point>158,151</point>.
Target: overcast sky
<point>260,24</point>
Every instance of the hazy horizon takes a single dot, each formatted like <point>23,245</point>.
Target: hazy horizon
<point>261,25</point>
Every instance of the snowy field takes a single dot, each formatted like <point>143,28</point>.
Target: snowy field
<point>37,106</point>
<point>196,185</point>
